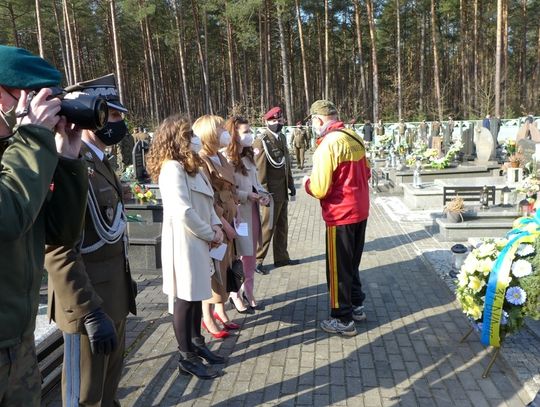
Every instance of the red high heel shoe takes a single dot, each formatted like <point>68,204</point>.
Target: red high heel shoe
<point>217,335</point>
<point>229,326</point>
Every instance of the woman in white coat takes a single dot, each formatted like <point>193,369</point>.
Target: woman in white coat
<point>250,194</point>
<point>190,228</point>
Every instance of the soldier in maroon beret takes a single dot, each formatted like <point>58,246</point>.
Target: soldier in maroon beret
<point>274,171</point>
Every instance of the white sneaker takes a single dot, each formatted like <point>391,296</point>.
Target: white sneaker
<point>358,313</point>
<point>335,326</point>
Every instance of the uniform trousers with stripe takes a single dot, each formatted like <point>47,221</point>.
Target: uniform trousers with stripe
<point>344,247</point>
<point>91,380</point>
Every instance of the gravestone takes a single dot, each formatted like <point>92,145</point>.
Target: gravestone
<point>467,131</point>
<point>528,130</point>
<point>527,148</point>
<point>436,144</point>
<point>485,148</point>
<point>139,162</point>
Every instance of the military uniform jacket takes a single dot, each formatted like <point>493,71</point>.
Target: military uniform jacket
<point>79,283</point>
<point>300,138</point>
<point>42,200</point>
<point>273,162</point>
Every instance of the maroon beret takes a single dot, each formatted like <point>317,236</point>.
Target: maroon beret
<point>274,113</point>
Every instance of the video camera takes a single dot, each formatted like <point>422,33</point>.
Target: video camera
<point>85,111</point>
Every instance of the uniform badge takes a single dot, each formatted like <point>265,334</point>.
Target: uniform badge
<point>88,155</point>
<point>90,171</point>
<point>109,212</point>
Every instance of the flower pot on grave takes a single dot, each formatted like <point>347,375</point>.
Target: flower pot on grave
<point>454,217</point>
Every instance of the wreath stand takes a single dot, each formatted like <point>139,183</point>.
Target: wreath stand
<point>493,356</point>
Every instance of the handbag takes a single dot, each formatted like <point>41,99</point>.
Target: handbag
<point>235,274</point>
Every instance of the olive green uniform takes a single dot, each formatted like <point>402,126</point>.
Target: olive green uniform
<point>82,279</point>
<point>300,141</point>
<point>274,170</point>
<point>42,200</point>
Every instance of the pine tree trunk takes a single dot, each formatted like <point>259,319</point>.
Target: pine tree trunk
<point>14,30</point>
<point>119,77</point>
<point>179,29</point>
<point>498,54</point>
<point>39,34</point>
<point>363,80</point>
<point>373,36</point>
<point>398,52</point>
<point>285,68</point>
<point>70,43</point>
<point>303,54</point>
<point>422,62</point>
<point>436,61</point>
<point>65,59</point>
<point>476,59</point>
<point>202,58</point>
<point>262,70</point>
<point>463,42</point>
<point>230,53</point>
<point>270,70</point>
<point>326,51</point>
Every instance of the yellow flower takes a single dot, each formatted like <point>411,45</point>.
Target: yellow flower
<point>140,195</point>
<point>475,312</point>
<point>485,266</point>
<point>476,284</point>
<point>470,265</point>
<point>148,194</point>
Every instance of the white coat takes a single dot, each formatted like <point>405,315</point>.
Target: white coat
<point>244,185</point>
<point>188,216</point>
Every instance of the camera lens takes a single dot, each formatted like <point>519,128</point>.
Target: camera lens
<point>86,111</point>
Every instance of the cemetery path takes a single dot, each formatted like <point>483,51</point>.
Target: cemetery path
<point>407,353</point>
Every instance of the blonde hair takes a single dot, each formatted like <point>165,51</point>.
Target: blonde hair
<point>172,142</point>
<point>206,127</point>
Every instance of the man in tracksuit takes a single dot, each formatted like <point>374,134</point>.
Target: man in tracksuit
<point>339,179</point>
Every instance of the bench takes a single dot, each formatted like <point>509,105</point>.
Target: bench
<point>469,194</point>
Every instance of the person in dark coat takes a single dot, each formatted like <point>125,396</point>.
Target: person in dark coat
<point>368,131</point>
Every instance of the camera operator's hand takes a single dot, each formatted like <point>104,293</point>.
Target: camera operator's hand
<point>101,332</point>
<point>68,139</point>
<point>41,112</point>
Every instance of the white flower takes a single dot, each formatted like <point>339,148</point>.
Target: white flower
<point>521,268</point>
<point>470,265</point>
<point>525,249</point>
<point>486,250</point>
<point>463,279</point>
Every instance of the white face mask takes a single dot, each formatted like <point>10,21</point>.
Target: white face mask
<point>246,139</point>
<point>318,130</point>
<point>195,144</point>
<point>224,139</point>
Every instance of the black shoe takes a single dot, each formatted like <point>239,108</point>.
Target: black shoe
<point>191,365</point>
<point>258,307</point>
<point>286,263</point>
<point>248,310</point>
<point>208,355</point>
<point>260,269</point>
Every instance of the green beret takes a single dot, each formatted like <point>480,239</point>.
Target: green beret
<point>19,69</point>
<point>323,107</point>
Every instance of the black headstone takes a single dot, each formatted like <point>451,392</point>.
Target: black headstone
<point>139,163</point>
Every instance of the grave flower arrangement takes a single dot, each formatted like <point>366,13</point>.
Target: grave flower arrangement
<point>443,162</point>
<point>499,282</point>
<point>530,186</point>
<point>142,193</point>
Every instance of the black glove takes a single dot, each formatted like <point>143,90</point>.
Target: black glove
<point>134,288</point>
<point>101,332</point>
<point>292,191</point>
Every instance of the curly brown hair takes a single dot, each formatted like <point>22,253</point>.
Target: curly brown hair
<point>172,142</point>
<point>235,151</point>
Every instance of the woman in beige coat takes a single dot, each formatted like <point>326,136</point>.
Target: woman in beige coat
<point>221,175</point>
<point>250,194</point>
<point>190,227</point>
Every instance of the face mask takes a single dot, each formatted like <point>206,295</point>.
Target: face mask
<point>275,128</point>
<point>224,139</point>
<point>246,139</point>
<point>195,144</point>
<point>10,118</point>
<point>112,133</point>
<point>316,129</point>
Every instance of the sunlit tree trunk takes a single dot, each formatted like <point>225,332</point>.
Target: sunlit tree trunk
<point>373,36</point>
<point>436,61</point>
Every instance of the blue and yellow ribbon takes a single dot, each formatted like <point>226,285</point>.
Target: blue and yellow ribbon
<point>525,231</point>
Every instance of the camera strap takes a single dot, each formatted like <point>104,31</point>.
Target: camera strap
<point>26,110</point>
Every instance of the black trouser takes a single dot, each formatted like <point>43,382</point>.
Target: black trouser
<point>187,323</point>
<point>344,247</point>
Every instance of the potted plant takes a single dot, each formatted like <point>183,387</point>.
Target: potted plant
<point>454,209</point>
<point>516,160</point>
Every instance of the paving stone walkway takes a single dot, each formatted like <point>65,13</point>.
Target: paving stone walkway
<point>407,353</point>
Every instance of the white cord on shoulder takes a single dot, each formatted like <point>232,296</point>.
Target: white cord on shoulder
<point>273,163</point>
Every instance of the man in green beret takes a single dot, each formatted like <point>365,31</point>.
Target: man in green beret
<point>339,180</point>
<point>43,187</point>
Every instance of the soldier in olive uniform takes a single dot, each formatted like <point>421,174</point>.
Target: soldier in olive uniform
<point>402,128</point>
<point>423,131</point>
<point>274,169</point>
<point>42,200</point>
<point>91,290</point>
<point>300,142</point>
<point>435,131</point>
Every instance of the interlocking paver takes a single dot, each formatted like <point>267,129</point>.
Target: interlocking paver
<point>407,353</point>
